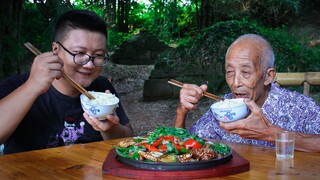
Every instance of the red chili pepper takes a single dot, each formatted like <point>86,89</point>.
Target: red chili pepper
<point>141,144</point>
<point>168,137</point>
<point>191,143</point>
<point>177,147</point>
<point>150,148</point>
<point>159,140</point>
<point>163,147</point>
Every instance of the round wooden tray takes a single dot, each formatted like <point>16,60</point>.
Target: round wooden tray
<point>114,167</point>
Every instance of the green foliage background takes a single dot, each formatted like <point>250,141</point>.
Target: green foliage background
<point>207,50</point>
<point>200,38</point>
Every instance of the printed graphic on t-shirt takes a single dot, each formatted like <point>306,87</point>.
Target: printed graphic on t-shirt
<point>70,133</point>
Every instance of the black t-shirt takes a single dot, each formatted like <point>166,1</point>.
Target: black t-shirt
<point>54,119</point>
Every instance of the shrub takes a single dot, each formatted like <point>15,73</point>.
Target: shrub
<point>206,52</point>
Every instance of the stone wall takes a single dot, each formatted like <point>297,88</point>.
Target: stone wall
<point>141,49</point>
<point>145,49</point>
<point>157,86</point>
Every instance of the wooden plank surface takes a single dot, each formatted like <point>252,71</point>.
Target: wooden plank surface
<point>85,161</point>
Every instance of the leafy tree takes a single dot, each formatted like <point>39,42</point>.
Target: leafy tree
<point>36,22</point>
<point>206,52</point>
<point>11,14</point>
<point>177,22</point>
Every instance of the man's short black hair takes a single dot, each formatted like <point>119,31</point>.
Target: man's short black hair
<point>78,19</point>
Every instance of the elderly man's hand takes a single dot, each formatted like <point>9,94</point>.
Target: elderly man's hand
<point>255,126</point>
<point>190,94</point>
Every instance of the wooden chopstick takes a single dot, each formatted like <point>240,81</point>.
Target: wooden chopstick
<point>206,94</point>
<point>37,52</point>
<point>33,49</point>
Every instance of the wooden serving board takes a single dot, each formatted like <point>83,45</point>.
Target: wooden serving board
<point>113,167</point>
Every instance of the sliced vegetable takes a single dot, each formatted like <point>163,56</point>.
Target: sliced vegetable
<point>220,148</point>
<point>149,147</point>
<point>123,153</point>
<point>130,152</point>
<point>157,142</point>
<point>167,158</point>
<point>171,148</point>
<point>163,147</point>
<point>160,139</point>
<point>178,147</point>
<point>191,143</point>
<point>165,131</point>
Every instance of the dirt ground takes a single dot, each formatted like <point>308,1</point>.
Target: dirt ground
<point>145,116</point>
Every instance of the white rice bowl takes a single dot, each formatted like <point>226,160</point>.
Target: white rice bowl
<point>230,110</point>
<point>100,107</point>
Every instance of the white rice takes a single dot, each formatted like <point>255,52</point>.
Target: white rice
<point>103,99</point>
<point>228,103</point>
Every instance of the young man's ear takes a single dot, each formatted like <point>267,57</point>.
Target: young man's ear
<point>270,76</point>
<point>55,48</point>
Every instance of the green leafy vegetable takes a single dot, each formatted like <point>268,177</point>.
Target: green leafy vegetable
<point>130,152</point>
<point>220,148</point>
<point>166,142</point>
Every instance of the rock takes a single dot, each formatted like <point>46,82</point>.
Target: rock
<point>154,89</point>
<point>141,49</point>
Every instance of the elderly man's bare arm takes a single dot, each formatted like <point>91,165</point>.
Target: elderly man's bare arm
<point>307,142</point>
<point>190,94</point>
<point>181,116</point>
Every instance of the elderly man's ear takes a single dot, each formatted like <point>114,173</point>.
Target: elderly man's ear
<point>270,76</point>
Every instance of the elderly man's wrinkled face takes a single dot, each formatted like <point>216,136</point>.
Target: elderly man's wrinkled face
<point>244,73</point>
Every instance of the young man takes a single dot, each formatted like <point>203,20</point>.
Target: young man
<point>250,74</point>
<point>42,109</point>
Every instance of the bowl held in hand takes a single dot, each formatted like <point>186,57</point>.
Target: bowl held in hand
<point>100,107</point>
<point>230,110</point>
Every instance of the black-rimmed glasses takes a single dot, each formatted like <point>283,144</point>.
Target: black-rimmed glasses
<point>82,58</point>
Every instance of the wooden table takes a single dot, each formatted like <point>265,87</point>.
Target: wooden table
<point>84,161</point>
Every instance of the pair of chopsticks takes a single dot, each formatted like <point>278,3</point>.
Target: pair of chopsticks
<point>206,94</point>
<point>37,52</point>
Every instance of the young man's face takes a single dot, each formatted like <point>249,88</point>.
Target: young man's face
<point>244,73</point>
<point>91,43</point>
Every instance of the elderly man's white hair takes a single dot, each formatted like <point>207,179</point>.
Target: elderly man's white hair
<point>267,55</point>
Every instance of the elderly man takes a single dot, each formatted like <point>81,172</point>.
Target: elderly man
<point>250,74</point>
